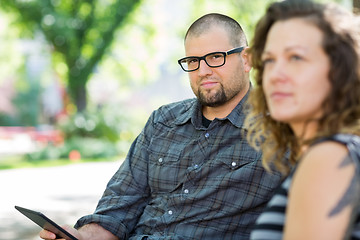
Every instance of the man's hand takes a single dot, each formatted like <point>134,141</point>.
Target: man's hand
<point>90,231</point>
<point>47,235</point>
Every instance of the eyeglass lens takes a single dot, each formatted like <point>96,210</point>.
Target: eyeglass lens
<point>212,60</point>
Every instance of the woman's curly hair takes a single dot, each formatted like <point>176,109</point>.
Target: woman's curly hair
<point>341,43</point>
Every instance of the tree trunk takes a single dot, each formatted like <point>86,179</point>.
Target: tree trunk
<point>81,99</point>
<point>77,89</point>
<point>356,7</point>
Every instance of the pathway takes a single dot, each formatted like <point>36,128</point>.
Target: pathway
<point>62,193</point>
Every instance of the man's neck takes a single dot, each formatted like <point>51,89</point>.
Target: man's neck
<point>217,112</point>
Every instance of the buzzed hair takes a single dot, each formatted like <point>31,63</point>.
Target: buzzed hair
<point>235,32</point>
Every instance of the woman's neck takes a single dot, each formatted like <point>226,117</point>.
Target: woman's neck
<point>304,132</point>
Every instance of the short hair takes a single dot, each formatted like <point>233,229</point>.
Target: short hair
<point>341,43</point>
<point>235,32</point>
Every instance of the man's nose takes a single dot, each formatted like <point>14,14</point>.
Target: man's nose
<point>204,69</point>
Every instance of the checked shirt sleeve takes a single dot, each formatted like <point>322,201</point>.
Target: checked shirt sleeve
<point>127,192</point>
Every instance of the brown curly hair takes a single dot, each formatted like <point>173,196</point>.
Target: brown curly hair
<point>341,43</point>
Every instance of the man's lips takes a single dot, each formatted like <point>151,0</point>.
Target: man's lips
<point>208,84</point>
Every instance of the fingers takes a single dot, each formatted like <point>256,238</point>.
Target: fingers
<point>47,235</point>
<point>44,234</point>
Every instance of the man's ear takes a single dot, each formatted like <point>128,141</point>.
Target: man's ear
<point>246,58</point>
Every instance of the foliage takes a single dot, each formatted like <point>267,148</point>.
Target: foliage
<point>27,103</point>
<point>15,162</point>
<point>99,123</point>
<point>8,120</point>
<point>94,134</point>
<point>79,31</point>
<point>87,148</point>
<point>246,12</point>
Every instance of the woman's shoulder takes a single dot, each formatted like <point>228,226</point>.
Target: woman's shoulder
<point>326,150</point>
<point>325,188</point>
<point>324,158</point>
<point>326,169</point>
<point>330,152</point>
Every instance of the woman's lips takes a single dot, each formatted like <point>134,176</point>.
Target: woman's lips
<point>280,95</point>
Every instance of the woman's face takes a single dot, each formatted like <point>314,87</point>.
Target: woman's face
<point>295,77</point>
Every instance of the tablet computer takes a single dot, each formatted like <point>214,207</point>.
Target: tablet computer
<point>46,223</point>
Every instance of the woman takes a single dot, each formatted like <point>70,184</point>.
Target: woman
<point>306,58</point>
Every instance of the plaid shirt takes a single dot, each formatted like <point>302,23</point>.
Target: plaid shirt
<point>181,180</point>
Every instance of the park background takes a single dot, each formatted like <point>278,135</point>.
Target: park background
<point>78,80</point>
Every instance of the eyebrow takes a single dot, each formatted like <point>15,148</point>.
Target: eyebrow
<point>287,49</point>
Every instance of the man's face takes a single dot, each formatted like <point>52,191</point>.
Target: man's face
<point>216,86</point>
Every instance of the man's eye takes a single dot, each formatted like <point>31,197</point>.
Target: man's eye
<point>192,60</point>
<point>217,56</point>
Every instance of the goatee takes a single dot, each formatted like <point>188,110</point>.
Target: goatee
<point>212,100</point>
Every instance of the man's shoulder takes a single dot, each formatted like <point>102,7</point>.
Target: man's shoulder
<point>183,105</point>
<point>176,111</point>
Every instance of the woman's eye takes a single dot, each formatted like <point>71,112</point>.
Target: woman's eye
<point>295,57</point>
<point>267,60</point>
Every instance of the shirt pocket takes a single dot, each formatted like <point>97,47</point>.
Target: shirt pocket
<point>234,165</point>
<point>235,156</point>
<point>166,168</point>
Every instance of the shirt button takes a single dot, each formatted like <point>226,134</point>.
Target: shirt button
<point>186,191</point>
<point>233,164</point>
<point>207,135</point>
<point>160,160</point>
<point>170,212</point>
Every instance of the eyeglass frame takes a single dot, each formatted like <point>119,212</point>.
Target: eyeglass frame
<point>231,51</point>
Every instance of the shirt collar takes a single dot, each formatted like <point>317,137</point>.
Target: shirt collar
<point>193,112</point>
<point>237,116</point>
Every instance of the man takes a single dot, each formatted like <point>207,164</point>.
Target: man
<point>190,174</point>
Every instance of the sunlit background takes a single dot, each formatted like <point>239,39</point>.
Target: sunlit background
<point>80,73</point>
<point>78,80</point>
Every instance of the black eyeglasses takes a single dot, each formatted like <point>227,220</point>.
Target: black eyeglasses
<point>214,59</point>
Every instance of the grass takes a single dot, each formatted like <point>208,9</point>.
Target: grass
<point>15,162</point>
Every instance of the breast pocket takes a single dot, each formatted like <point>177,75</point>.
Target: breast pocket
<point>237,155</point>
<point>166,168</point>
<point>234,165</point>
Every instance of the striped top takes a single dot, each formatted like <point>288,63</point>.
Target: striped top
<point>270,224</point>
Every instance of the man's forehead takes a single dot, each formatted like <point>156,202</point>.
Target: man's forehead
<point>211,41</point>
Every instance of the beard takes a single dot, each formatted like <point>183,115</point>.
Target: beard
<point>206,98</point>
<point>223,93</point>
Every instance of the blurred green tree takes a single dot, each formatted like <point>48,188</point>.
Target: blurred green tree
<point>79,31</point>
